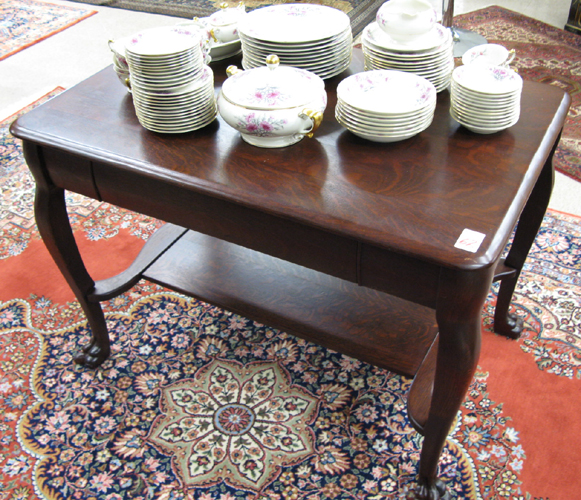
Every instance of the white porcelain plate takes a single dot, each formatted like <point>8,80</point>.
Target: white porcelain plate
<point>162,41</point>
<point>221,51</point>
<point>293,23</point>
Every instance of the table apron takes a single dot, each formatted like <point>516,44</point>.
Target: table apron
<point>308,246</point>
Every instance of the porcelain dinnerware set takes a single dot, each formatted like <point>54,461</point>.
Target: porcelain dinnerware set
<point>289,50</point>
<point>385,105</point>
<point>312,37</point>
<point>485,99</point>
<point>172,87</point>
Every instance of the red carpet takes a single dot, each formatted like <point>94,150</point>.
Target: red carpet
<point>545,409</point>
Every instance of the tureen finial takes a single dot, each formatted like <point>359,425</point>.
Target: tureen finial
<point>272,61</point>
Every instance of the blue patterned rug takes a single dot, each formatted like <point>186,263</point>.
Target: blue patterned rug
<point>196,402</point>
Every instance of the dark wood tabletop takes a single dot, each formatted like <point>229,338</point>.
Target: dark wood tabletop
<point>346,242</point>
<point>414,196</point>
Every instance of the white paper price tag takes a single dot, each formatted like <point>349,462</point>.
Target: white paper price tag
<point>469,240</point>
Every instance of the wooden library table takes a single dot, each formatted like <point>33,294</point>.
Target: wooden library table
<point>354,245</point>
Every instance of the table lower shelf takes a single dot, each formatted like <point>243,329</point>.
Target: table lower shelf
<point>366,324</point>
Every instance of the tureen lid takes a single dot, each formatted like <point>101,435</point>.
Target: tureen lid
<point>227,15</point>
<point>271,86</point>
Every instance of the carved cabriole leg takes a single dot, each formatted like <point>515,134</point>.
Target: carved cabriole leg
<point>505,323</point>
<point>54,227</point>
<point>458,312</point>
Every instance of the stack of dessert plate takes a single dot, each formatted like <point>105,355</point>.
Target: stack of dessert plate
<point>485,99</point>
<point>172,87</point>
<point>312,37</point>
<point>430,55</point>
<point>385,105</point>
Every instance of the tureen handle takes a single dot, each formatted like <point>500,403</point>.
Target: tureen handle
<point>233,70</point>
<point>316,118</point>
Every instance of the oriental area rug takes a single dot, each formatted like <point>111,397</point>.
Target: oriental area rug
<point>361,12</point>
<point>196,402</point>
<point>543,54</point>
<point>26,22</point>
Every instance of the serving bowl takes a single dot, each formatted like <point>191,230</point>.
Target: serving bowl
<point>272,106</point>
<point>385,105</point>
<point>490,54</point>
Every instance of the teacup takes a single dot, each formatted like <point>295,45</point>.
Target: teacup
<point>406,20</point>
<point>490,54</point>
<point>117,47</point>
<point>120,65</point>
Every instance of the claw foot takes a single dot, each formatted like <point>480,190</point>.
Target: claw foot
<point>511,327</point>
<point>437,491</point>
<point>92,355</point>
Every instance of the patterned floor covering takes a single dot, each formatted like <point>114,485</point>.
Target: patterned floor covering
<point>543,54</point>
<point>199,403</point>
<point>361,12</point>
<point>26,22</point>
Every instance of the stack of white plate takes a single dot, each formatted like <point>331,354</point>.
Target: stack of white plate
<point>172,87</point>
<point>485,99</point>
<point>312,37</point>
<point>385,105</point>
<point>430,55</point>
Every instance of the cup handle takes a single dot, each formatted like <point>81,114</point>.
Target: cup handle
<point>316,117</point>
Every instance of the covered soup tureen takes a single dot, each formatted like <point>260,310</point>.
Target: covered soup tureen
<point>272,106</point>
<point>224,23</point>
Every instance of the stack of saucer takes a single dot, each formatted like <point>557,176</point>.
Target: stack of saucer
<point>430,55</point>
<point>485,99</point>
<point>385,105</point>
<point>312,37</point>
<point>172,87</point>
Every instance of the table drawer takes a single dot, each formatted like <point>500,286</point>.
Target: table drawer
<point>268,233</point>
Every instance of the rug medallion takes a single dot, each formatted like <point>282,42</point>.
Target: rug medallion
<point>244,421</point>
